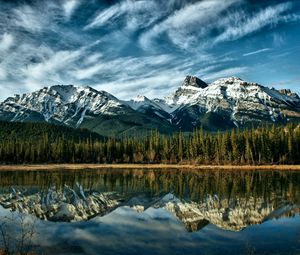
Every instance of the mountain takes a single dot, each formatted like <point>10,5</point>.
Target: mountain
<point>231,102</point>
<point>61,104</point>
<point>224,104</point>
<point>149,107</point>
<point>82,107</point>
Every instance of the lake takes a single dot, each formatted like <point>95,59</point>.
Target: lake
<point>153,211</point>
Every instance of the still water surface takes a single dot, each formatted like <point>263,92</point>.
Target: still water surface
<point>169,211</point>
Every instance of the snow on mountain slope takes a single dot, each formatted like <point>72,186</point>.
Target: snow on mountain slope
<point>63,103</point>
<point>141,101</point>
<point>238,101</point>
<point>225,103</point>
<point>150,107</point>
<point>188,88</point>
<point>230,88</point>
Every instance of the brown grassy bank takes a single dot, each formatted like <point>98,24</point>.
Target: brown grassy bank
<point>145,166</point>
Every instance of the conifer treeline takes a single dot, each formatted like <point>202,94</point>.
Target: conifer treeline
<point>265,145</point>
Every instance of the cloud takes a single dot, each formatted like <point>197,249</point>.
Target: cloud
<point>93,58</point>
<point>45,16</point>
<point>208,69</point>
<point>278,39</point>
<point>141,46</point>
<point>55,66</point>
<point>3,74</point>
<point>193,18</point>
<point>138,14</point>
<point>270,16</point>
<point>256,52</point>
<point>27,18</point>
<point>154,76</point>
<point>158,85</point>
<point>128,66</point>
<point>104,16</point>
<point>6,42</point>
<point>226,72</point>
<point>69,7</point>
<point>57,62</point>
<point>209,22</point>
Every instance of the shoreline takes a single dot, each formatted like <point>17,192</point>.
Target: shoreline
<point>45,167</point>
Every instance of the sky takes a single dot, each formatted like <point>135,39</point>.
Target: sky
<point>147,47</point>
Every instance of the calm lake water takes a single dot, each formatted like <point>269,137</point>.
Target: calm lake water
<point>167,211</point>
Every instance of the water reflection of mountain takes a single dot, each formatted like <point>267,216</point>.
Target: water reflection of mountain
<point>229,200</point>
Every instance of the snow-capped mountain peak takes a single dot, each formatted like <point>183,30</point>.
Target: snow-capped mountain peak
<point>147,106</point>
<point>140,98</point>
<point>229,80</point>
<point>66,104</point>
<point>225,103</point>
<point>232,101</point>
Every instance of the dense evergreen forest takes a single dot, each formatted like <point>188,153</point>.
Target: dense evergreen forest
<point>35,131</point>
<point>44,143</point>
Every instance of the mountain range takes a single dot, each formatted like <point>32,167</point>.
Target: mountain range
<point>226,103</point>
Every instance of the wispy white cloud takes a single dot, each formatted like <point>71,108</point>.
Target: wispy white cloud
<point>104,16</point>
<point>58,61</point>
<point>207,70</point>
<point>226,72</point>
<point>3,73</point>
<point>55,66</point>
<point>6,42</point>
<point>45,16</point>
<point>256,52</point>
<point>270,16</point>
<point>27,18</point>
<point>188,23</point>
<point>69,7</point>
<point>128,66</point>
<point>147,46</point>
<point>159,85</point>
<point>93,58</point>
<point>138,14</point>
<point>154,76</point>
<point>206,23</point>
<point>278,39</point>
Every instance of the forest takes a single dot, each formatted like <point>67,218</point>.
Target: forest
<point>44,143</point>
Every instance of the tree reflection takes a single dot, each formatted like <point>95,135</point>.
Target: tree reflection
<point>190,185</point>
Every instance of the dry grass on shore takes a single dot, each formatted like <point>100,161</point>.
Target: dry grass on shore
<point>145,166</point>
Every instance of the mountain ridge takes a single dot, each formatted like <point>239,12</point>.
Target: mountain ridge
<point>225,103</point>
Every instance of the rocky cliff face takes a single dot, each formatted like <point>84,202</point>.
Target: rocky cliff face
<point>69,204</point>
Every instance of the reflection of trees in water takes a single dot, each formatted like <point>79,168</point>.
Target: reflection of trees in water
<point>188,184</point>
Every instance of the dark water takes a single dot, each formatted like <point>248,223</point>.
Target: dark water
<point>157,211</point>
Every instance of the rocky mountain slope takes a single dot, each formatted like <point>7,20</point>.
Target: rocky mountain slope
<point>225,103</point>
<point>75,204</point>
<point>149,107</point>
<point>61,104</point>
<point>79,107</point>
<point>231,102</point>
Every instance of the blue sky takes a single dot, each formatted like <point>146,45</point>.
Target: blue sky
<point>147,47</point>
